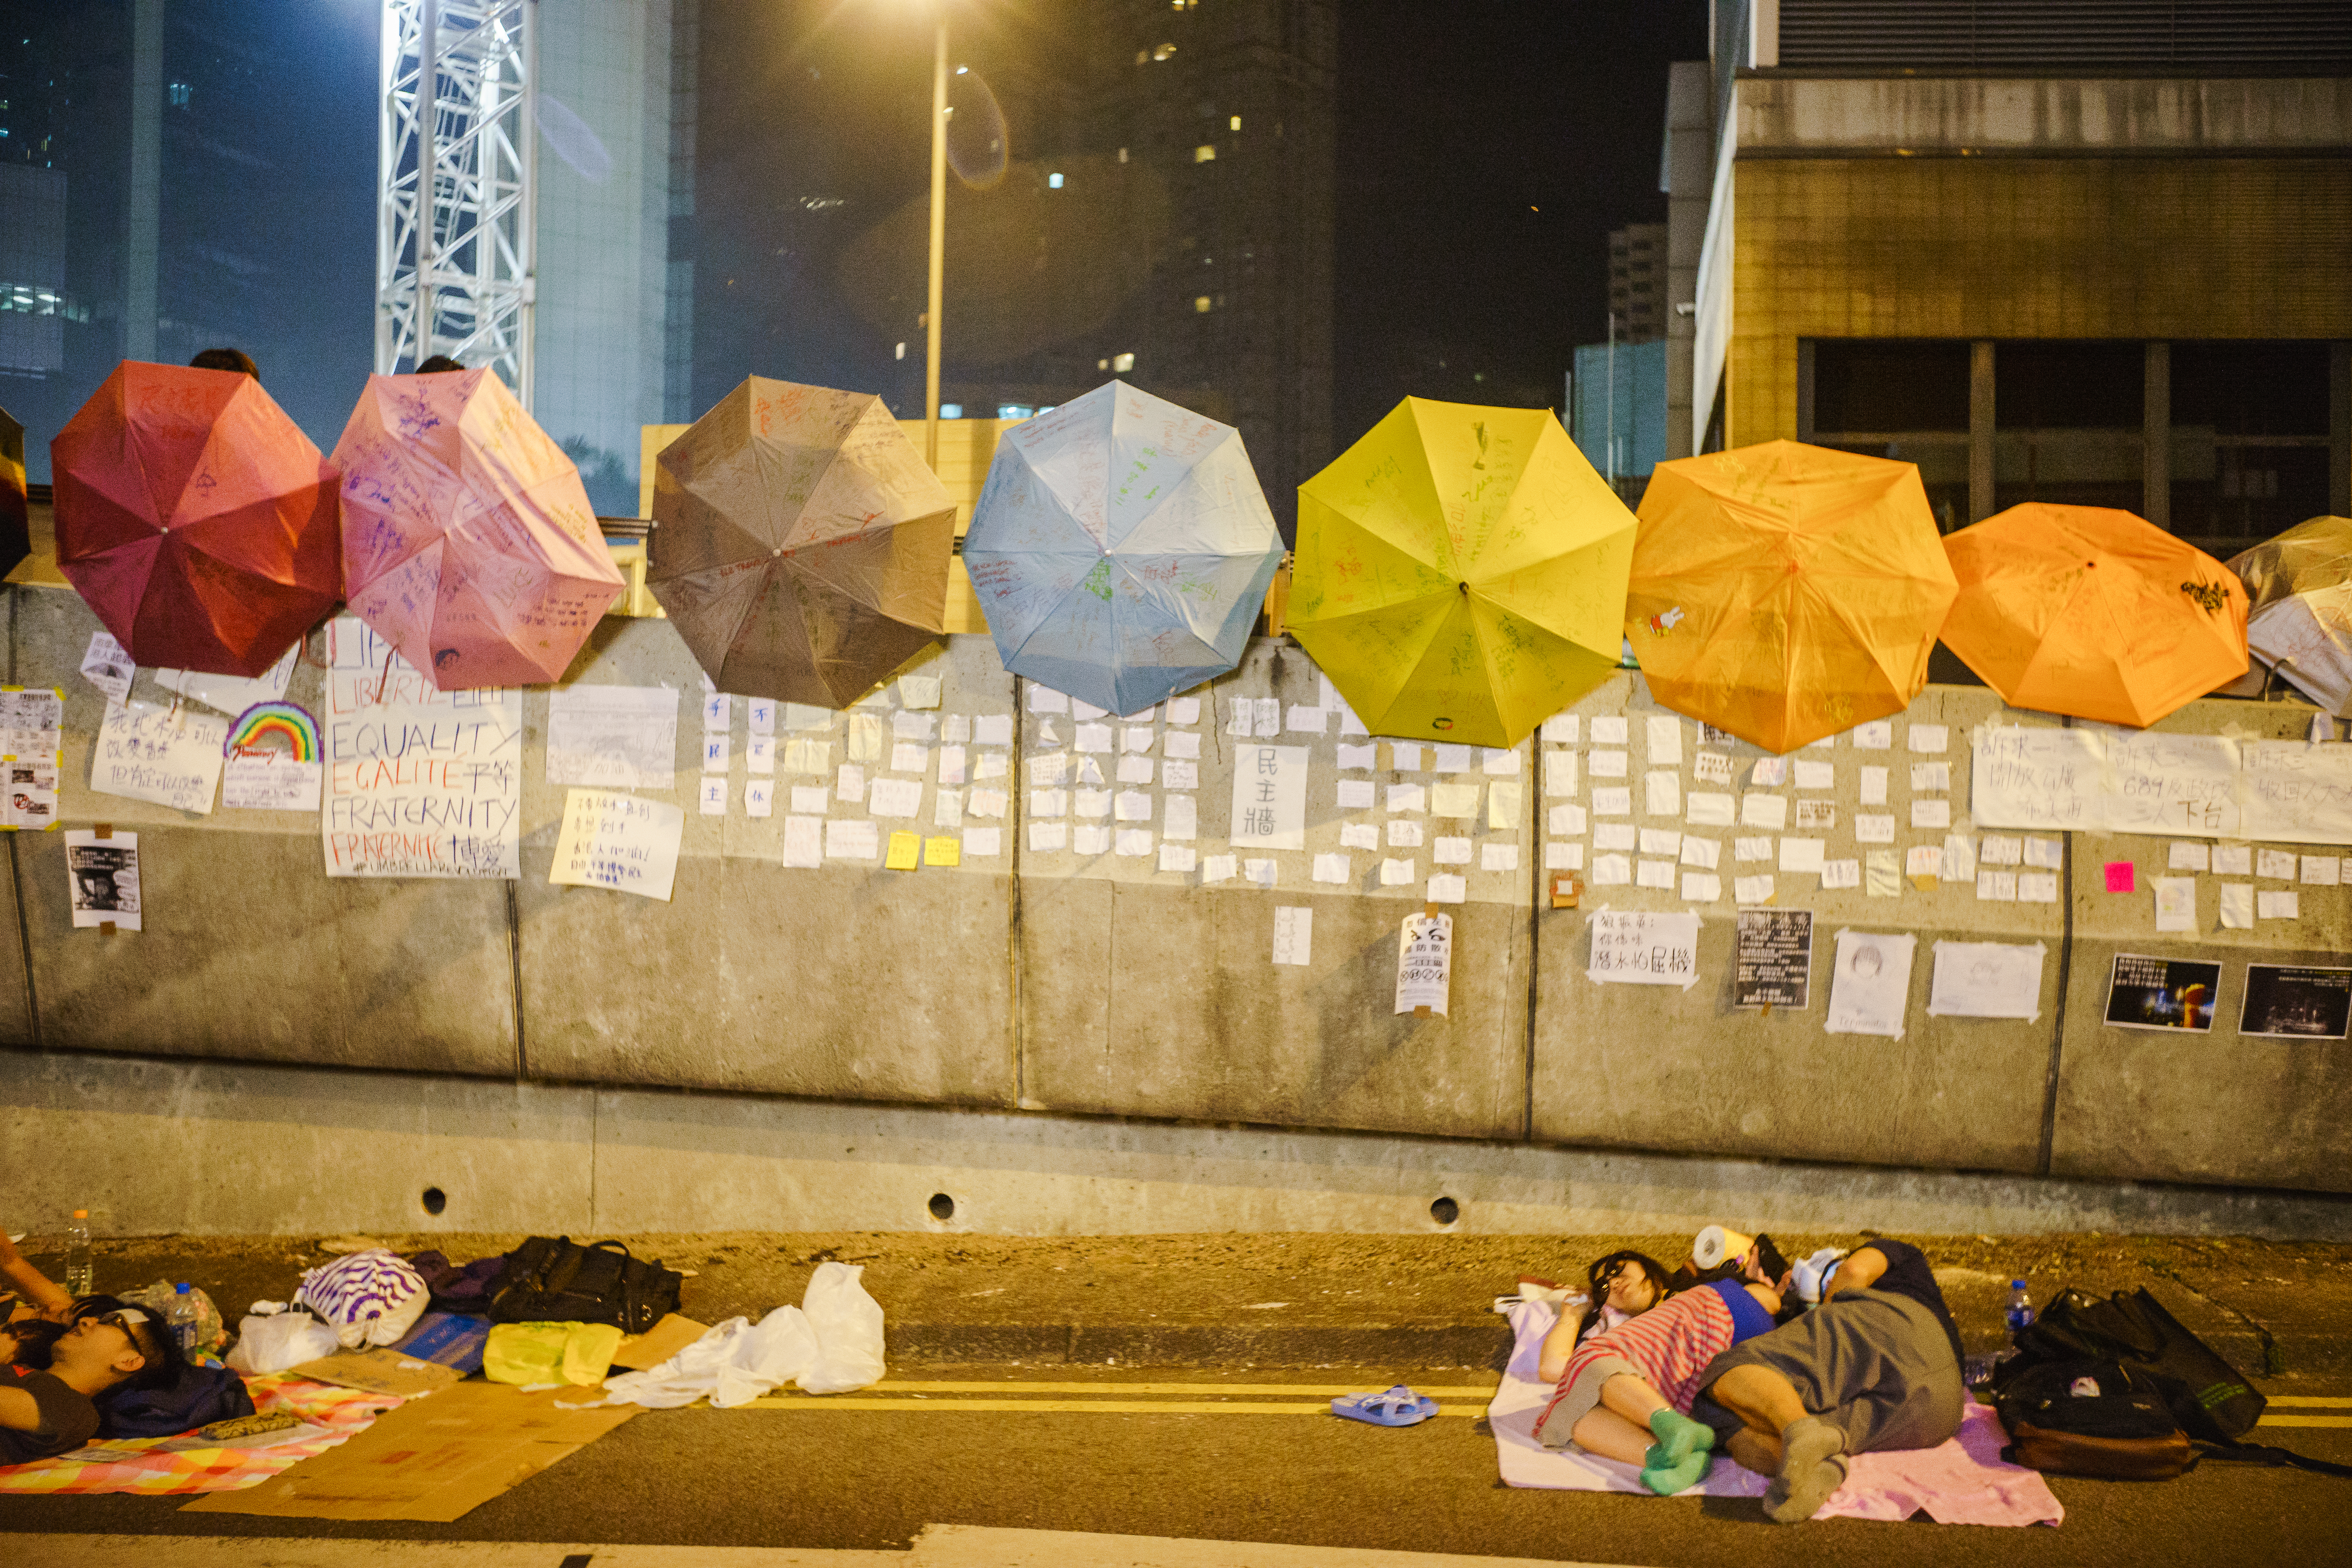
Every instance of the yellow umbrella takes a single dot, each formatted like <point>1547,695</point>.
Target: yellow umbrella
<point>1784,592</point>
<point>1461,573</point>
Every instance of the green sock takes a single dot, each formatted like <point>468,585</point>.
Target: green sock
<point>1666,1479</point>
<point>1678,1437</point>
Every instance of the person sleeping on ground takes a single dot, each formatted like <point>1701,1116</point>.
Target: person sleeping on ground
<point>54,1411</point>
<point>1625,1393</point>
<point>1876,1366</point>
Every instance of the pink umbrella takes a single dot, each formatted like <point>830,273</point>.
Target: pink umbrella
<point>469,542</point>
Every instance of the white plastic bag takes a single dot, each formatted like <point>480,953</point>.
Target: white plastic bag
<point>732,1365</point>
<point>849,1326</point>
<point>283,1340</point>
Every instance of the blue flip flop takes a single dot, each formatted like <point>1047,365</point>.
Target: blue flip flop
<point>1400,1406</point>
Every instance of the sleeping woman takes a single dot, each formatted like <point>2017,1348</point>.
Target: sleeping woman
<point>1625,1392</point>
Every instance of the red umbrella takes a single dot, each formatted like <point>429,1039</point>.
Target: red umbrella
<point>195,519</point>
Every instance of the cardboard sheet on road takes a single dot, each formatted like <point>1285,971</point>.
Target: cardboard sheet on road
<point>384,1369</point>
<point>433,1458</point>
<point>658,1343</point>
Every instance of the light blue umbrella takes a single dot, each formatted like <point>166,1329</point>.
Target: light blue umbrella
<point>1121,548</point>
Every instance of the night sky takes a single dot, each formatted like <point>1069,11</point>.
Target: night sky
<point>1484,154</point>
<point>1455,121</point>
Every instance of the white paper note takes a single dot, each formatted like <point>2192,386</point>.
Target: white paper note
<point>1986,980</point>
<point>618,841</point>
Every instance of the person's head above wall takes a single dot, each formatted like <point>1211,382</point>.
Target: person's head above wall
<point>436,365</point>
<point>227,359</point>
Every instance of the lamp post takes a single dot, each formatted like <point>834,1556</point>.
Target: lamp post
<point>939,240</point>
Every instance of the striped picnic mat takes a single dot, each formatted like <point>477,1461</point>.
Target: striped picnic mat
<point>148,1473</point>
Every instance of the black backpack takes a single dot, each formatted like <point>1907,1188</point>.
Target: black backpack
<point>2089,1418</point>
<point>2204,1394</point>
<point>553,1279</point>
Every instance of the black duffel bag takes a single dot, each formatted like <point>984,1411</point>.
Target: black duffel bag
<point>2086,1419</point>
<point>554,1279</point>
<point>2205,1393</point>
<point>2159,1355</point>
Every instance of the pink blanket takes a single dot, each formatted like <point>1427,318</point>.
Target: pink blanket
<point>1965,1481</point>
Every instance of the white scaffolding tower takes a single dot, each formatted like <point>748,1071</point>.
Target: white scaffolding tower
<point>453,265</point>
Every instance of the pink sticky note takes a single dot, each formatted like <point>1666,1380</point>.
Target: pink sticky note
<point>2119,877</point>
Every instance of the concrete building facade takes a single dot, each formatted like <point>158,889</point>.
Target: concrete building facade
<point>2055,253</point>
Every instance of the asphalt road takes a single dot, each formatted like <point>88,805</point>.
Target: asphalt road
<point>851,1475</point>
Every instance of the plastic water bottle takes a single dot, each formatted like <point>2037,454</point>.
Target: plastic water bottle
<point>183,1321</point>
<point>2021,1307</point>
<point>82,1274</point>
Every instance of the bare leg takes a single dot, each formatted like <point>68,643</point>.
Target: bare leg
<point>1756,1451</point>
<point>1761,1397</point>
<point>1631,1398</point>
<point>1604,1432</point>
<point>1810,1450</point>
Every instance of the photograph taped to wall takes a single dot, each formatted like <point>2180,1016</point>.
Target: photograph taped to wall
<point>2296,1003</point>
<point>102,875</point>
<point>2149,993</point>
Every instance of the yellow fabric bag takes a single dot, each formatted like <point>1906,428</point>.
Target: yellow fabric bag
<point>527,1353</point>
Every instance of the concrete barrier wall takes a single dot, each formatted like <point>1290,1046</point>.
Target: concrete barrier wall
<point>1047,981</point>
<point>2218,1106</point>
<point>1654,1068</point>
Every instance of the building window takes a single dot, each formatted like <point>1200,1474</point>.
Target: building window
<point>2248,437</point>
<point>951,410</point>
<point>1052,182</point>
<point>1904,399</point>
<point>1206,152</point>
<point>1201,304</point>
<point>1122,362</point>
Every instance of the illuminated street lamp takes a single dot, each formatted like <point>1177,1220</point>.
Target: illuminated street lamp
<point>939,239</point>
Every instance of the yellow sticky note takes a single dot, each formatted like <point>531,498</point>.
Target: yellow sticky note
<point>942,851</point>
<point>904,847</point>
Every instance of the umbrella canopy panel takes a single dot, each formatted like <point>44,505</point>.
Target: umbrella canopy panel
<point>2093,612</point>
<point>1121,548</point>
<point>195,519</point>
<point>469,543</point>
<point>1461,572</point>
<point>800,545</point>
<point>16,528</point>
<point>1784,592</point>
<point>2299,620</point>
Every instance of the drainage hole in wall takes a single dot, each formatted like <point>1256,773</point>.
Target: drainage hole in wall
<point>1446,1211</point>
<point>942,1206</point>
<point>435,1200</point>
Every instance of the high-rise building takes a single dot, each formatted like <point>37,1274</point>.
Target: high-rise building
<point>1637,282</point>
<point>1231,103</point>
<point>2054,252</point>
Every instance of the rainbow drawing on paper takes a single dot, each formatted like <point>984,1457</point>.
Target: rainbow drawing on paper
<point>257,724</point>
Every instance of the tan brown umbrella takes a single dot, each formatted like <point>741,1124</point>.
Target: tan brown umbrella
<point>800,545</point>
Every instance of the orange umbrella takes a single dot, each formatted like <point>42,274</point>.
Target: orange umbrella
<point>2093,612</point>
<point>1784,592</point>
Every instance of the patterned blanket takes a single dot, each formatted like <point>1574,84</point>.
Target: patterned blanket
<point>148,1466</point>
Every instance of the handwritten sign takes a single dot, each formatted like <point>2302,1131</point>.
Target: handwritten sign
<point>170,757</point>
<point>2199,787</point>
<point>271,780</point>
<point>618,841</point>
<point>1269,797</point>
<point>1424,964</point>
<point>1635,947</point>
<point>420,782</point>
